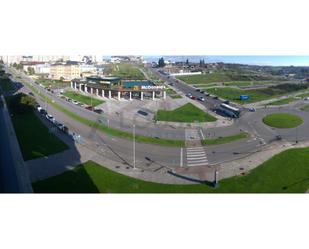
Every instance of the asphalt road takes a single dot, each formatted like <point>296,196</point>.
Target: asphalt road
<point>250,122</point>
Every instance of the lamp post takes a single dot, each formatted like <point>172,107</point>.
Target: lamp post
<point>216,182</point>
<point>296,135</point>
<point>134,146</point>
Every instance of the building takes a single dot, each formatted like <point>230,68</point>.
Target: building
<point>10,59</point>
<point>115,88</point>
<point>65,71</point>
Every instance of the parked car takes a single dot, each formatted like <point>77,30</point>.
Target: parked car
<point>206,94</point>
<point>75,102</point>
<point>39,108</point>
<point>142,113</point>
<point>193,97</point>
<point>198,90</point>
<point>189,95</point>
<point>90,108</point>
<point>99,111</point>
<point>215,97</point>
<point>31,93</point>
<point>201,99</point>
<point>226,102</point>
<point>251,109</point>
<point>50,118</point>
<point>201,91</point>
<point>60,126</point>
<point>43,111</point>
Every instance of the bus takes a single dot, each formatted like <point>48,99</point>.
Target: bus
<point>230,110</point>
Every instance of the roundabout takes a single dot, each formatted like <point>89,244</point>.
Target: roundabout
<point>282,120</point>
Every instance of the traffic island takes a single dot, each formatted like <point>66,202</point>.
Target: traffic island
<point>282,120</point>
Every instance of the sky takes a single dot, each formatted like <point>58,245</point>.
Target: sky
<point>242,59</point>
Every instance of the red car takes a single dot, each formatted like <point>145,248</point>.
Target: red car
<point>90,108</point>
<point>192,97</point>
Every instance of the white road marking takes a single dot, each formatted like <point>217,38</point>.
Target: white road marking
<point>196,156</point>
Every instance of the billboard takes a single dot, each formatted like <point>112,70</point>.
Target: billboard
<point>244,97</point>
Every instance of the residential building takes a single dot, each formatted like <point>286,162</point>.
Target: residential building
<point>67,71</point>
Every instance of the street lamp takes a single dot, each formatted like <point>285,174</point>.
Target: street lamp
<point>216,182</point>
<point>296,135</point>
<point>134,146</point>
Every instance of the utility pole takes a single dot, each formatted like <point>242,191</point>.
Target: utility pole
<point>134,146</point>
<point>296,135</point>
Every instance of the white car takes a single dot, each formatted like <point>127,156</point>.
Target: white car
<point>39,108</point>
<point>75,102</point>
<point>50,118</point>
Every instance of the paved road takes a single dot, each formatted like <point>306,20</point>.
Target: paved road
<point>249,122</point>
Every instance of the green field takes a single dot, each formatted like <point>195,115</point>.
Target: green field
<point>282,101</point>
<point>282,120</point>
<point>205,78</point>
<point>224,140</point>
<point>125,71</point>
<point>87,100</point>
<point>255,95</point>
<point>187,113</point>
<point>287,172</point>
<point>33,136</point>
<point>222,76</point>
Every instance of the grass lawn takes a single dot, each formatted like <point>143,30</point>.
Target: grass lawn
<point>204,78</point>
<point>282,120</point>
<point>83,98</point>
<point>186,113</point>
<point>170,92</point>
<point>305,107</point>
<point>282,101</point>
<point>125,71</point>
<point>255,95</point>
<point>224,140</point>
<point>287,172</point>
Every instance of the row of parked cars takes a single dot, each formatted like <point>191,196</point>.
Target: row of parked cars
<point>51,119</point>
<point>88,107</point>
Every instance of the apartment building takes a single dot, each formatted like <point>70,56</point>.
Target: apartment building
<point>67,71</point>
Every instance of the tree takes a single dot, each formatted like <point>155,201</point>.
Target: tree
<point>30,70</point>
<point>161,62</point>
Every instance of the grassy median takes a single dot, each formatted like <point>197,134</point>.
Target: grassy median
<point>187,113</point>
<point>224,140</point>
<point>282,120</point>
<point>282,101</point>
<point>83,98</point>
<point>287,172</point>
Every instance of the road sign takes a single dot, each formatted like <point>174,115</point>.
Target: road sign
<point>244,97</point>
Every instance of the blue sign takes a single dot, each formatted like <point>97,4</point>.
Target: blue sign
<point>244,97</point>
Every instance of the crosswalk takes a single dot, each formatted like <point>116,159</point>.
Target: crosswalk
<point>192,134</point>
<point>196,156</point>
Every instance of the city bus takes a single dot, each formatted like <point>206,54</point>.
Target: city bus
<point>230,110</point>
